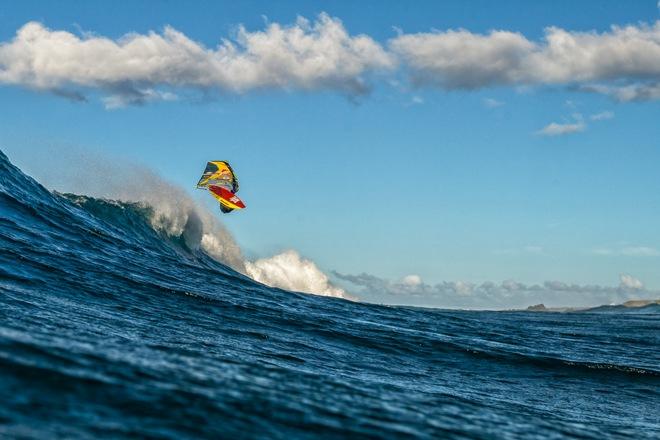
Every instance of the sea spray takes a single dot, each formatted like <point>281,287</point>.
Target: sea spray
<point>290,271</point>
<point>174,212</point>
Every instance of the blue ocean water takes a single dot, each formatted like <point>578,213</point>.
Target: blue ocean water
<point>110,329</point>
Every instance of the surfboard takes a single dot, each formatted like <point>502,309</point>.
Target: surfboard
<point>226,197</point>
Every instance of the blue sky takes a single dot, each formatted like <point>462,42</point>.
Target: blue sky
<point>447,183</point>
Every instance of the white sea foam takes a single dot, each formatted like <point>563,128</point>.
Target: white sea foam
<point>290,271</point>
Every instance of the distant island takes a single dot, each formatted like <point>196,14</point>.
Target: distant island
<point>633,306</point>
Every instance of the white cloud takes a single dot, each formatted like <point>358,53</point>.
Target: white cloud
<point>602,116</point>
<point>412,280</point>
<point>555,129</point>
<point>492,103</point>
<point>623,62</point>
<point>630,282</point>
<point>459,59</point>
<point>490,295</point>
<point>307,56</point>
<point>291,272</point>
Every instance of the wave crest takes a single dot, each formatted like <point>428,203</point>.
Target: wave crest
<point>172,211</point>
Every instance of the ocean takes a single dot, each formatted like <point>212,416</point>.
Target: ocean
<point>112,328</point>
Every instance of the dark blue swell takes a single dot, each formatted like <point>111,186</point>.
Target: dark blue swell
<point>109,329</point>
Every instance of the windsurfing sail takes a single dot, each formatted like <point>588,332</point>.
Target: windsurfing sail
<point>221,182</point>
<point>219,172</point>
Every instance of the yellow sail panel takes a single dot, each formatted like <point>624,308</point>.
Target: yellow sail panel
<point>218,172</point>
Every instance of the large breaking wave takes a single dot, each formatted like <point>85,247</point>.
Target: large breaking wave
<point>173,212</point>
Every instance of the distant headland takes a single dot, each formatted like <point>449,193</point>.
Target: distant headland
<point>633,306</point>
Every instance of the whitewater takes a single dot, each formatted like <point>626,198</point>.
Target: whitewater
<point>139,317</point>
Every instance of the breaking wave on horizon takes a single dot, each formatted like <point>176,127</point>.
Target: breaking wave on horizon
<point>143,319</point>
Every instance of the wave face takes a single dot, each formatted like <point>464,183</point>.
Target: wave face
<point>112,329</point>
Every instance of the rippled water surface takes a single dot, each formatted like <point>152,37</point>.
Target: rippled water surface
<point>109,329</point>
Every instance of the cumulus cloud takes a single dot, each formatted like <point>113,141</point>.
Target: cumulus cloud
<point>623,62</point>
<point>131,69</point>
<point>460,59</point>
<point>291,272</point>
<point>630,282</point>
<point>556,129</point>
<point>412,280</point>
<point>489,295</point>
<point>463,60</point>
